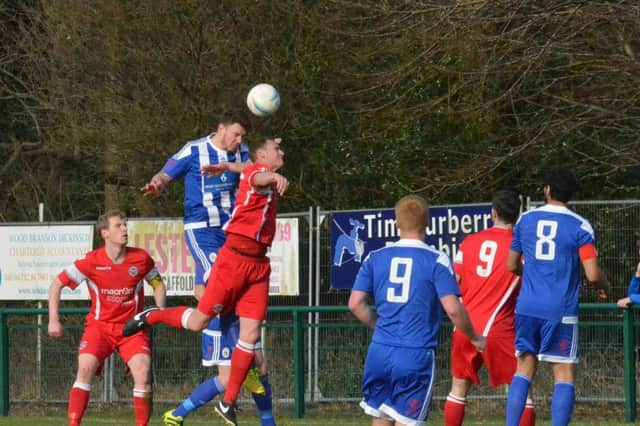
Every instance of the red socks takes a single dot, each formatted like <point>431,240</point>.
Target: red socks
<point>528,415</point>
<point>142,405</point>
<point>241,361</point>
<point>168,316</point>
<point>454,410</point>
<point>78,400</point>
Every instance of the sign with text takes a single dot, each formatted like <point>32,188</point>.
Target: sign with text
<point>354,234</point>
<point>32,256</point>
<point>164,241</point>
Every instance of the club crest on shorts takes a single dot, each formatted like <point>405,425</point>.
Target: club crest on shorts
<point>225,352</point>
<point>212,257</point>
<point>133,271</point>
<point>83,345</point>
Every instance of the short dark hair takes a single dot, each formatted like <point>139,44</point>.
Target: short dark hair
<point>562,184</point>
<point>236,116</point>
<point>506,203</point>
<point>257,142</point>
<point>103,219</point>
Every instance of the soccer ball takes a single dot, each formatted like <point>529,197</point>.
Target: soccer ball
<point>263,100</point>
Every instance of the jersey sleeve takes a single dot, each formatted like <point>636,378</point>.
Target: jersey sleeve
<point>253,171</point>
<point>75,274</point>
<point>634,290</point>
<point>458,260</point>
<point>444,279</point>
<point>244,152</point>
<point>178,165</point>
<point>152,276</point>
<point>585,234</point>
<point>364,279</point>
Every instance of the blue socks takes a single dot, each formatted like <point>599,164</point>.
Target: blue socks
<point>562,401</point>
<point>264,403</point>
<point>517,398</point>
<point>204,393</point>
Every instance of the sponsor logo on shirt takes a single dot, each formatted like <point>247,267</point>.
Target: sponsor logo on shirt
<point>103,268</point>
<point>133,271</point>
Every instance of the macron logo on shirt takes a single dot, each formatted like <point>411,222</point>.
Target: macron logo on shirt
<point>103,268</point>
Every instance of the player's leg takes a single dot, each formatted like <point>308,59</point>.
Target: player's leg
<point>376,384</point>
<point>527,345</point>
<point>94,348</point>
<point>242,357</point>
<point>88,365</point>
<point>136,353</point>
<point>216,351</point>
<point>465,362</point>
<point>560,348</point>
<point>263,401</point>
<point>139,365</point>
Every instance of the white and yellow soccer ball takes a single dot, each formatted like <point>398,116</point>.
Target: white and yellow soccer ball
<point>263,100</point>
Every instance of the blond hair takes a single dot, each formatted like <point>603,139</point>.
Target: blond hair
<point>412,213</point>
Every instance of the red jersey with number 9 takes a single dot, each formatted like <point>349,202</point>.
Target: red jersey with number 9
<point>254,214</point>
<point>488,289</point>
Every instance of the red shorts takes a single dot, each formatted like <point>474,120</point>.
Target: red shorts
<point>498,355</point>
<point>237,282</point>
<point>102,338</point>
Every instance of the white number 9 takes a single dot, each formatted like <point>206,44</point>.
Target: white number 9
<point>487,255</point>
<point>404,280</point>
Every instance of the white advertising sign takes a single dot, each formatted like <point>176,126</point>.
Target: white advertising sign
<point>285,266</point>
<point>31,256</point>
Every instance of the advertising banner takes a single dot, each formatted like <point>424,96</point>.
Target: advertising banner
<point>164,241</point>
<point>32,256</point>
<point>356,233</point>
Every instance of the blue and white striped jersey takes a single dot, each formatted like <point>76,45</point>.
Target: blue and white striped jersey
<point>549,239</point>
<point>208,201</point>
<point>407,280</point>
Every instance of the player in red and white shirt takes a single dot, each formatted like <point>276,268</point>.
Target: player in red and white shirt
<point>114,275</point>
<point>239,279</point>
<point>489,294</point>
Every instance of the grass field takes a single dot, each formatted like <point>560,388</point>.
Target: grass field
<point>207,417</point>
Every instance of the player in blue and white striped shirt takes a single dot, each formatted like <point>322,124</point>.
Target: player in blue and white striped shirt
<point>208,202</point>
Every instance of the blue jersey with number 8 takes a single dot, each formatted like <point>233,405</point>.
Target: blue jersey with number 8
<point>407,280</point>
<point>549,239</point>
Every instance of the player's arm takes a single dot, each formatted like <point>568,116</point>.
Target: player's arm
<point>359,307</point>
<point>514,262</point>
<point>592,271</point>
<point>217,169</point>
<point>460,319</point>
<point>264,179</point>
<point>156,185</point>
<point>55,328</point>
<point>159,290</point>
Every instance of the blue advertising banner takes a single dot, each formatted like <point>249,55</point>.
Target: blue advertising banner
<point>356,233</point>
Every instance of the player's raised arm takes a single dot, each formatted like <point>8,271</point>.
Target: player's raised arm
<point>219,168</point>
<point>156,185</point>
<point>460,319</point>
<point>55,328</point>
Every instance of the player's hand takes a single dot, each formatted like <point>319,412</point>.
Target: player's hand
<point>214,169</point>
<point>603,292</point>
<point>152,189</point>
<point>280,183</point>
<point>624,303</point>
<point>479,342</point>
<point>55,329</point>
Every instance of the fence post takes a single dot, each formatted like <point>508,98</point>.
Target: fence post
<point>4,365</point>
<point>298,364</point>
<point>629,365</point>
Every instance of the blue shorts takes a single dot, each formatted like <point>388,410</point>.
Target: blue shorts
<point>219,339</point>
<point>204,244</point>
<point>398,383</point>
<point>551,341</point>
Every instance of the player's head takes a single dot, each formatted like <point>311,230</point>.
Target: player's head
<point>412,214</point>
<point>232,127</point>
<point>506,205</point>
<point>112,227</point>
<point>559,184</point>
<point>268,151</point>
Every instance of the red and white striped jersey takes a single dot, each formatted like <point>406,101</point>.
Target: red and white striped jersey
<point>488,289</point>
<point>116,289</point>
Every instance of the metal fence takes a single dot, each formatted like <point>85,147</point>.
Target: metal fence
<point>334,344</point>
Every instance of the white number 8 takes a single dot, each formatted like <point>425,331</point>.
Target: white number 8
<point>545,246</point>
<point>404,280</point>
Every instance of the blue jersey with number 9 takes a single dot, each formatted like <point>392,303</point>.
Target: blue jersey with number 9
<point>407,280</point>
<point>549,239</point>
